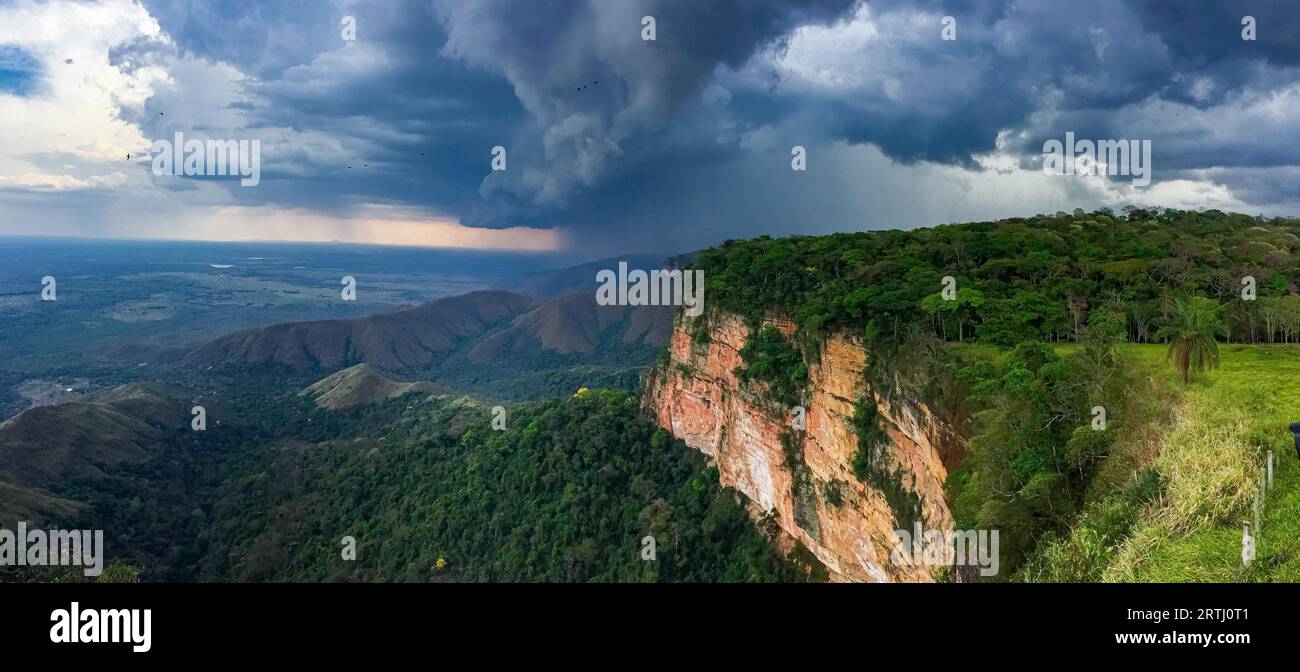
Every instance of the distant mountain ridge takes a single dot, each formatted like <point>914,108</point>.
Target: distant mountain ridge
<point>484,326</point>
<point>397,339</point>
<point>574,323</point>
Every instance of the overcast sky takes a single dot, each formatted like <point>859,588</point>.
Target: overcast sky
<point>684,141</point>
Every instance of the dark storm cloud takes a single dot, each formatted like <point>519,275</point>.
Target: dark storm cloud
<point>260,38</point>
<point>458,78</point>
<point>468,76</point>
<point>1260,185</point>
<point>1179,74</point>
<point>1209,32</point>
<point>726,89</point>
<point>414,127</point>
<point>1006,63</point>
<point>591,83</point>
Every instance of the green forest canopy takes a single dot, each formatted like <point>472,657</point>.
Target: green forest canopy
<point>1021,279</point>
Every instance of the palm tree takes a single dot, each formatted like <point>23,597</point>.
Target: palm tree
<point>1191,333</point>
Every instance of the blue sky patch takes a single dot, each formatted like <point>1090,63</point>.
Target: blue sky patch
<point>18,70</point>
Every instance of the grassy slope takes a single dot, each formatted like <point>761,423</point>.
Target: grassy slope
<point>1208,441</point>
<point>1209,461</point>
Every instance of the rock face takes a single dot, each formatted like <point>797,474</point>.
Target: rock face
<point>697,397</point>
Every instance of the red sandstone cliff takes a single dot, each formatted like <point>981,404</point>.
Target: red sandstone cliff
<point>698,398</point>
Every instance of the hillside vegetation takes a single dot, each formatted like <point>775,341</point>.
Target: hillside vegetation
<point>1097,456</point>
<point>1020,279</point>
<point>566,493</point>
<point>46,448</point>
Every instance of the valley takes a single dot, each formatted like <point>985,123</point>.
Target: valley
<point>122,304</point>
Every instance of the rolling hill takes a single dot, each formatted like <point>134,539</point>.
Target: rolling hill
<point>360,385</point>
<point>51,446</point>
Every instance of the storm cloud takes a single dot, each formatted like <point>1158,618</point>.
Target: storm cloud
<point>630,144</point>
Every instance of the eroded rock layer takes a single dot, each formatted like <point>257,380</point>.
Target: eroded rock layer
<point>697,396</point>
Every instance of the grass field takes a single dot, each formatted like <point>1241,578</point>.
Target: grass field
<point>1210,459</point>
<point>1197,452</point>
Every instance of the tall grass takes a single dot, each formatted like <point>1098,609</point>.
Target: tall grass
<point>1170,502</point>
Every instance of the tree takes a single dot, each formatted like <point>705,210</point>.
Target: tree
<point>1191,333</point>
<point>1106,328</point>
<point>120,573</point>
<point>965,307</point>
